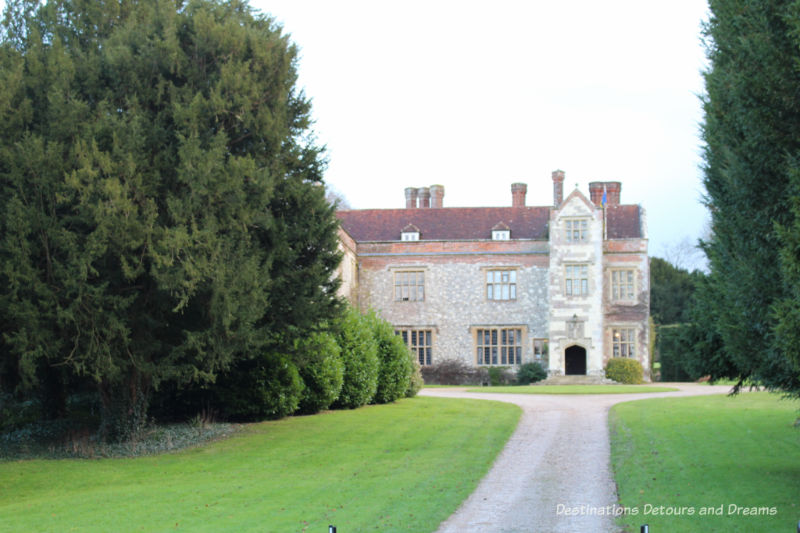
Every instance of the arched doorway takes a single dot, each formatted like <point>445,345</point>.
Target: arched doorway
<point>575,361</point>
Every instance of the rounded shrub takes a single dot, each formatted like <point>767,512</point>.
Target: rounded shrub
<point>415,382</point>
<point>624,370</point>
<point>395,366</point>
<point>265,387</point>
<point>528,373</point>
<point>500,375</point>
<point>359,353</point>
<point>321,368</point>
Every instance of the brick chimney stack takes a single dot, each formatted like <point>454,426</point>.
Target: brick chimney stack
<point>518,192</point>
<point>558,187</point>
<point>424,195</point>
<point>596,192</point>
<point>612,188</point>
<point>411,198</point>
<point>437,195</point>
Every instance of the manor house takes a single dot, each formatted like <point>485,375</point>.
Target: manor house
<point>565,284</point>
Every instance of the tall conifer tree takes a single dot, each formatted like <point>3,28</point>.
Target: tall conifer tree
<point>161,214</point>
<point>752,132</point>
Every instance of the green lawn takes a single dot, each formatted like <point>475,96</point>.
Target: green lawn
<point>574,389</point>
<point>400,467</point>
<point>732,462</point>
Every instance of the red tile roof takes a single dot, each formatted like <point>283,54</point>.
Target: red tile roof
<point>471,223</point>
<point>446,224</point>
<point>623,222</point>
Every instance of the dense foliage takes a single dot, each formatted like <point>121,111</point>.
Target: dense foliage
<point>321,369</point>
<point>624,370</point>
<point>359,352</point>
<point>672,295</point>
<point>454,372</point>
<point>395,363</point>
<point>264,387</point>
<point>161,215</point>
<point>671,290</point>
<point>673,353</point>
<point>528,373</point>
<point>752,156</point>
<point>415,380</point>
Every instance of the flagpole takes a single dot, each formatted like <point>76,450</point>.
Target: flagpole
<point>604,202</point>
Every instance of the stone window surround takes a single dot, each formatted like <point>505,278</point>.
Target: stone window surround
<point>432,332</point>
<point>500,268</point>
<point>573,225</point>
<point>408,269</point>
<point>613,288</point>
<point>523,342</point>
<point>632,343</point>
<point>582,293</point>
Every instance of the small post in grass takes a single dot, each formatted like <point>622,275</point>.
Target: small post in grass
<point>331,529</point>
<point>646,529</point>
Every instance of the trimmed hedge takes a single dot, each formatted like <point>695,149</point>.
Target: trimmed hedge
<point>394,372</point>
<point>360,357</point>
<point>322,370</point>
<point>266,387</point>
<point>624,370</point>
<point>415,381</point>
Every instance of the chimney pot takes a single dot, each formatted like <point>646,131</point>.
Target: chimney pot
<point>518,192</point>
<point>612,190</point>
<point>411,198</point>
<point>424,195</point>
<point>558,187</point>
<point>437,195</point>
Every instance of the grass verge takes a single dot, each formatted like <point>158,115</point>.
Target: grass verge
<point>399,467</point>
<point>710,463</point>
<point>574,389</point>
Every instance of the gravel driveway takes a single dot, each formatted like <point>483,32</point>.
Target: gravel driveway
<point>554,474</point>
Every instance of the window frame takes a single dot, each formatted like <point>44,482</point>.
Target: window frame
<point>616,287</point>
<point>501,235</point>
<point>408,236</point>
<point>570,279</point>
<point>624,341</point>
<point>423,353</point>
<point>540,351</point>
<point>502,349</point>
<point>398,285</point>
<point>490,286</point>
<point>576,225</point>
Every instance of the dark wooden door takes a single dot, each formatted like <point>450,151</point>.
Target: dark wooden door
<point>575,361</point>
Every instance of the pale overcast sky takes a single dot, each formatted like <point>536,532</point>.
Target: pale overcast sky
<point>478,95</point>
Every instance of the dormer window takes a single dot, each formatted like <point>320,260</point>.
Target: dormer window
<point>501,232</point>
<point>410,233</point>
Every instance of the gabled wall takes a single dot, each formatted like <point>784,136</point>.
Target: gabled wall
<point>585,311</point>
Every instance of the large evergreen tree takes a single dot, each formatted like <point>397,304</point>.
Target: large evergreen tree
<point>161,214</point>
<point>671,291</point>
<point>752,133</point>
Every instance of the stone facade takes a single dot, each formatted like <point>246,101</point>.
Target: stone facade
<point>566,285</point>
